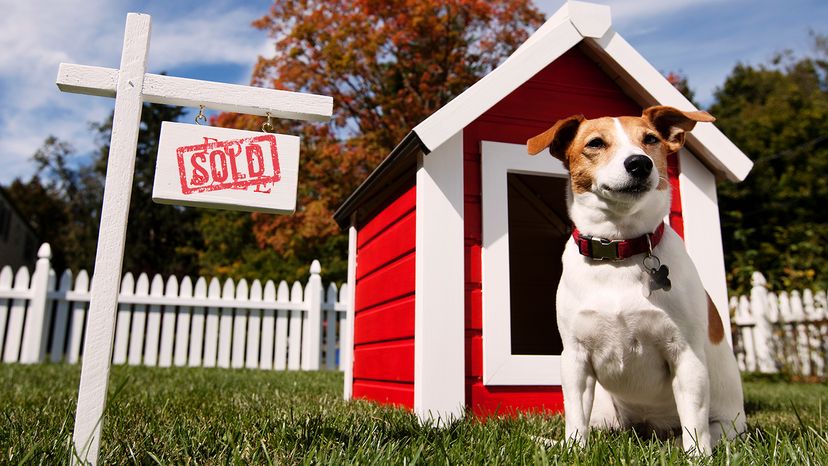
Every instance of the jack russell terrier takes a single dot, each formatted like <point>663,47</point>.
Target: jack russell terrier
<point>643,344</point>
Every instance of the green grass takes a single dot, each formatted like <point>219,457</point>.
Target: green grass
<point>217,416</point>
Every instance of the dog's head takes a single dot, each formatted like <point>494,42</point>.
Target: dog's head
<point>619,160</point>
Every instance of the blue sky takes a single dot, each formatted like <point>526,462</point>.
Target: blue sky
<point>213,40</point>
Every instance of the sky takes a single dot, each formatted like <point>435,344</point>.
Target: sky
<point>213,40</point>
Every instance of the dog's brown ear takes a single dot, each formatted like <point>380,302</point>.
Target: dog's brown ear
<point>557,138</point>
<point>673,124</point>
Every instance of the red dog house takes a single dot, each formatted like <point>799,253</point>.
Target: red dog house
<point>456,237</point>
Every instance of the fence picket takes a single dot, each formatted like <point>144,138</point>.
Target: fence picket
<point>268,323</point>
<point>168,318</point>
<point>254,321</point>
<point>76,326</point>
<point>182,326</point>
<point>58,344</point>
<point>119,353</point>
<point>212,331</point>
<point>330,327</point>
<point>197,331</point>
<point>814,337</point>
<point>226,325</point>
<point>139,320</point>
<point>6,277</point>
<point>153,333</point>
<point>161,321</point>
<point>280,359</point>
<point>239,326</point>
<point>17,316</point>
<point>800,330</point>
<point>344,346</point>
<point>295,330</point>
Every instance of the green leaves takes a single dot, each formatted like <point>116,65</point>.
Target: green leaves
<point>776,221</point>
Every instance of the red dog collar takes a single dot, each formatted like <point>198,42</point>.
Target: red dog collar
<point>605,249</point>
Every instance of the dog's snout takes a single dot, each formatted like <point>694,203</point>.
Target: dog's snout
<point>639,166</point>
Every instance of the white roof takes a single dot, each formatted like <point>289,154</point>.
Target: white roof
<point>591,23</point>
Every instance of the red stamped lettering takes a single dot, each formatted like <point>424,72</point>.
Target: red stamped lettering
<point>233,164</point>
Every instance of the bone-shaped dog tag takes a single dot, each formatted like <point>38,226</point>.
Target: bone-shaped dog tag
<point>659,279</point>
<point>659,276</point>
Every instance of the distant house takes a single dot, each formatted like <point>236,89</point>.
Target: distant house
<point>18,242</point>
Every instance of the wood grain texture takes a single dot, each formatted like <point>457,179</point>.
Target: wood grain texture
<point>170,90</point>
<point>110,252</point>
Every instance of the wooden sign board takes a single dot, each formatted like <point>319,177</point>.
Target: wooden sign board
<point>206,166</point>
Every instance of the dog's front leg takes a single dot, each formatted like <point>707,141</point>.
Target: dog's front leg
<point>691,389</point>
<point>578,382</point>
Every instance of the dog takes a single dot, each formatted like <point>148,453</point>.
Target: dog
<point>643,344</point>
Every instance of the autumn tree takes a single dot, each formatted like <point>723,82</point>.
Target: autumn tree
<point>387,65</point>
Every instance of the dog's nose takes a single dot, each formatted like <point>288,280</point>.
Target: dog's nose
<point>639,166</point>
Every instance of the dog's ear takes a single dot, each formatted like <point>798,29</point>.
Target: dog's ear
<point>673,124</point>
<point>557,138</point>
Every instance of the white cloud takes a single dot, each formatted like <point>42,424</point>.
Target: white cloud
<point>38,35</point>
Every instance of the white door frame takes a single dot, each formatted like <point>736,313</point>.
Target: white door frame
<point>500,366</point>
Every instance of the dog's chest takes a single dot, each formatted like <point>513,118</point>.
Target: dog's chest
<point>630,351</point>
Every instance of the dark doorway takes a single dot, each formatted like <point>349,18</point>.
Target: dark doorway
<point>538,227</point>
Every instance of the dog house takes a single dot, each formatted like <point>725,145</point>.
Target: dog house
<point>456,237</point>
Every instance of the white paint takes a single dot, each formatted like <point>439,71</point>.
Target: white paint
<point>590,19</point>
<point>500,366</point>
<point>480,97</point>
<point>37,315</point>
<point>575,22</point>
<point>170,90</point>
<point>702,231</point>
<point>128,84</point>
<point>110,252</point>
<point>650,87</point>
<point>439,349</point>
<point>61,319</point>
<point>346,352</point>
<point>206,166</point>
<point>119,355</point>
<point>313,323</point>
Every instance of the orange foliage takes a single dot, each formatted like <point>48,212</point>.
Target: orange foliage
<point>387,65</point>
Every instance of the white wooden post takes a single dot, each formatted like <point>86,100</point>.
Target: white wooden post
<point>17,316</point>
<point>346,345</point>
<point>254,322</point>
<point>36,330</point>
<point>239,326</point>
<point>131,86</point>
<point>110,252</point>
<point>119,355</point>
<point>226,325</point>
<point>182,327</point>
<point>197,332</point>
<point>763,333</point>
<point>61,319</point>
<point>311,334</point>
<point>330,326</point>
<point>78,318</point>
<point>295,329</point>
<point>281,337</point>
<point>439,345</point>
<point>6,277</point>
<point>268,326</point>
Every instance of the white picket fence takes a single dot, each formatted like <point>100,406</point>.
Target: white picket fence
<point>175,322</point>
<point>784,332</point>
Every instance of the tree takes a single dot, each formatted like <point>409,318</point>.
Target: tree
<point>387,65</point>
<point>63,201</point>
<point>776,221</point>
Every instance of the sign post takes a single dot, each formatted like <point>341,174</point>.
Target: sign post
<point>131,85</point>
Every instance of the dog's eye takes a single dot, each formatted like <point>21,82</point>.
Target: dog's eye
<point>650,139</point>
<point>596,143</point>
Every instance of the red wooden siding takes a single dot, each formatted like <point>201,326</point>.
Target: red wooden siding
<point>384,304</point>
<point>571,85</point>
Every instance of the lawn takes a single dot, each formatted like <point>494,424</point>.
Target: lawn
<point>254,417</point>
